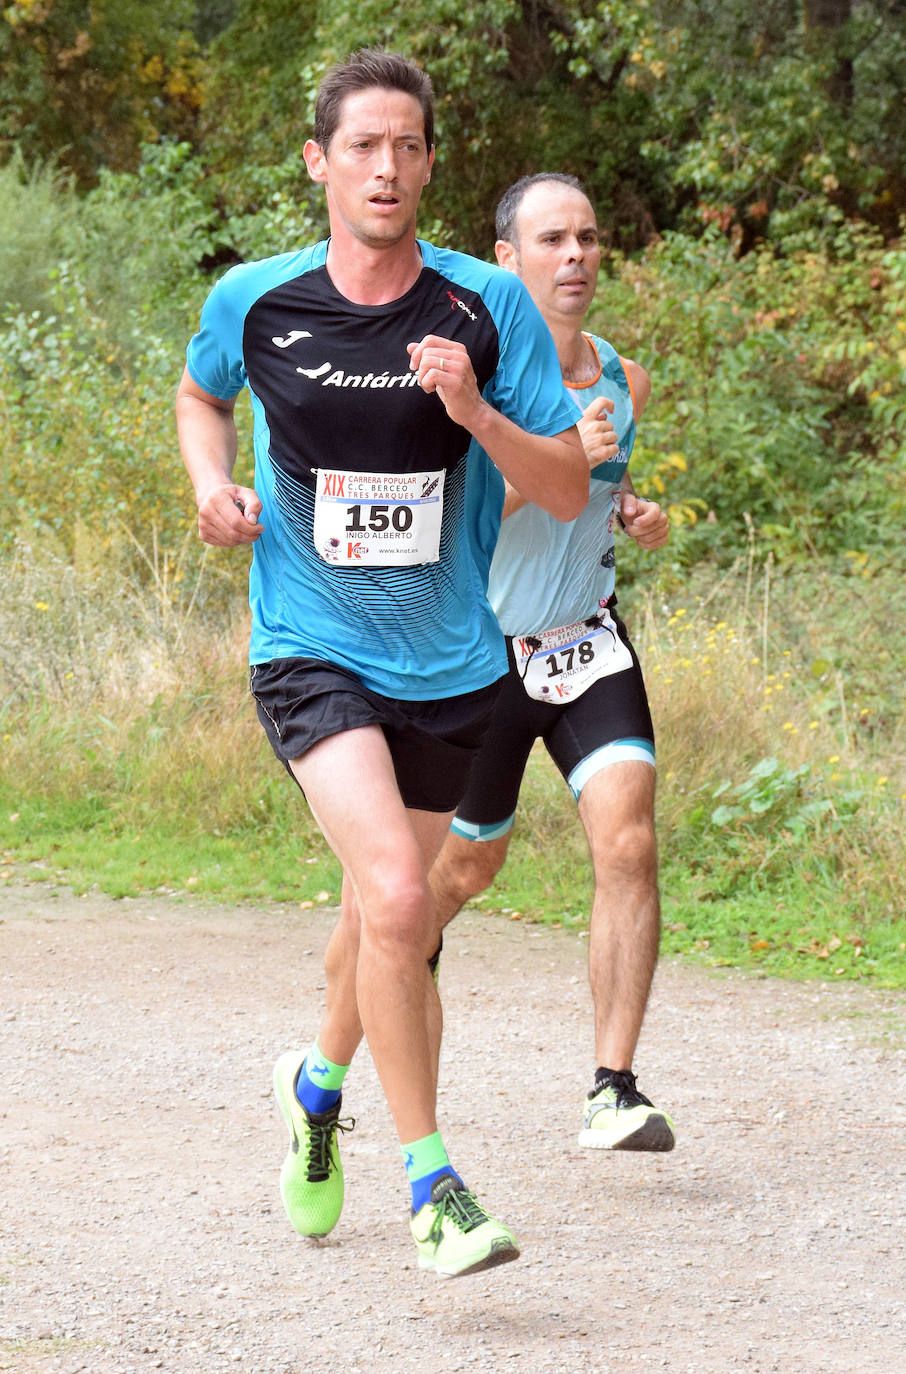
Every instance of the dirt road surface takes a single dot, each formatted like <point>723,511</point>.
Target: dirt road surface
<point>142,1228</point>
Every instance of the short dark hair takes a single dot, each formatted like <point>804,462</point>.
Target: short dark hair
<point>370,67</point>
<point>512,198</point>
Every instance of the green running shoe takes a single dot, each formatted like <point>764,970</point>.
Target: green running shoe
<point>311,1179</point>
<point>618,1117</point>
<point>455,1235</point>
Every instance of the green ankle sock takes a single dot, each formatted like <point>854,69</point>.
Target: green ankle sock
<point>425,1161</point>
<point>320,1081</point>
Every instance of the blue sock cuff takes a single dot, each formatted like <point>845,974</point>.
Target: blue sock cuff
<point>421,1187</point>
<point>310,1093</point>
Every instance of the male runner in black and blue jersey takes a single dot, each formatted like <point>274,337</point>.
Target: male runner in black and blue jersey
<point>394,386</point>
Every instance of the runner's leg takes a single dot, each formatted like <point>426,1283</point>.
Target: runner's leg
<point>476,848</point>
<point>617,811</point>
<point>463,869</point>
<point>391,907</point>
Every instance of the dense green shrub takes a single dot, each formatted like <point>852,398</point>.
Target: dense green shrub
<point>34,209</point>
<point>778,386</point>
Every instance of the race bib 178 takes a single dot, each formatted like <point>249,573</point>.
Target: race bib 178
<point>570,658</point>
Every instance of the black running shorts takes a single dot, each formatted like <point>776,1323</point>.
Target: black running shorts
<point>608,723</point>
<point>432,743</point>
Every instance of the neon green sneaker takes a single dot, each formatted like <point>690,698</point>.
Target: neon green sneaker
<point>618,1117</point>
<point>311,1179</point>
<point>455,1235</point>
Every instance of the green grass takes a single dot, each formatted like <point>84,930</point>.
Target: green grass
<point>131,761</point>
<point>796,927</point>
<point>792,930</point>
<point>83,846</point>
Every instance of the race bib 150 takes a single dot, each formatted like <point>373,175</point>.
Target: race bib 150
<point>378,519</point>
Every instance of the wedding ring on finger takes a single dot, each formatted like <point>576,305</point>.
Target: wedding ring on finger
<point>442,364</point>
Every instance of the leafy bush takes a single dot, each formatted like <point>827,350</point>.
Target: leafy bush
<point>777,392</point>
<point>780,743</point>
<point>135,246</point>
<point>82,439</point>
<point>34,209</point>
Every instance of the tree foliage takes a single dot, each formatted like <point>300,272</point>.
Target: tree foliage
<point>744,158</point>
<point>768,118</point>
<point>779,393</point>
<point>675,115</point>
<point>86,84</point>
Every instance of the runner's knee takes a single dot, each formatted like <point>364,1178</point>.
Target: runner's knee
<point>397,913</point>
<point>466,868</point>
<point>480,869</point>
<point>630,848</point>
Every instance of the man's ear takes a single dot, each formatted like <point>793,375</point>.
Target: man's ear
<point>506,255</point>
<point>430,164</point>
<point>315,160</point>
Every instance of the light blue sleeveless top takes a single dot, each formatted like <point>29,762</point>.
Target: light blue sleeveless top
<point>546,573</point>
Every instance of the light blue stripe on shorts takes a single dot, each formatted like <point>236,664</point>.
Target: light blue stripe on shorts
<point>621,751</point>
<point>470,831</point>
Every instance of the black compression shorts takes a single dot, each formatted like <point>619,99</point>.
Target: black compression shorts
<point>609,723</point>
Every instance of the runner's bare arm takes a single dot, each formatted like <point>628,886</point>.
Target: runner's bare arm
<point>639,385</point>
<point>644,521</point>
<point>227,513</point>
<point>599,440</point>
<point>550,471</point>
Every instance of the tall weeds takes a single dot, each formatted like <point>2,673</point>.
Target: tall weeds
<point>780,745</point>
<point>123,675</point>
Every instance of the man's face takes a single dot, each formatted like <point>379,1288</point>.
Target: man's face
<point>557,253</point>
<point>375,167</point>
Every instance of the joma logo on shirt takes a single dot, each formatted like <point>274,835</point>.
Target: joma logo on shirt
<point>291,337</point>
<point>294,336</point>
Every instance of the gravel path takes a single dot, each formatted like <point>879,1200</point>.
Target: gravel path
<point>142,1228</point>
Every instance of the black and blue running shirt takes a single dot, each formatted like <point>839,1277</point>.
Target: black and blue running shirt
<point>380,513</point>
